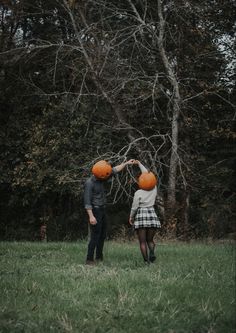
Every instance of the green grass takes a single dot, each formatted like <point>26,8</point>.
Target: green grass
<point>45,287</point>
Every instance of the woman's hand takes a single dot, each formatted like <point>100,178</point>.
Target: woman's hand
<point>131,222</point>
<point>132,161</point>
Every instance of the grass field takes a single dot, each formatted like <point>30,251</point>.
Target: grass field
<point>45,287</point>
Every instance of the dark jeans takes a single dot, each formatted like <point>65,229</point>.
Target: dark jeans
<point>97,234</point>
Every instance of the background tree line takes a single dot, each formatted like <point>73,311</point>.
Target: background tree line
<point>88,80</point>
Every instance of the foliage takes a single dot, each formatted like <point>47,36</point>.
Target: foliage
<point>85,80</point>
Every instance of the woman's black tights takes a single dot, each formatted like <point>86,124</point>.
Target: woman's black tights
<point>145,237</point>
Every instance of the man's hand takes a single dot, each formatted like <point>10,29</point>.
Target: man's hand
<point>131,222</point>
<point>130,162</point>
<point>92,220</point>
<point>122,165</point>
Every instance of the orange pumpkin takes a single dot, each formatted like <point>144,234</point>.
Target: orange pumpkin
<point>102,169</point>
<point>147,181</point>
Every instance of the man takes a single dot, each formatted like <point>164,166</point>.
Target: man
<point>95,201</point>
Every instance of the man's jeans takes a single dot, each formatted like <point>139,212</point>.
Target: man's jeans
<point>97,234</point>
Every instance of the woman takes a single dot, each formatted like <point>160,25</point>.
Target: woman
<point>143,215</point>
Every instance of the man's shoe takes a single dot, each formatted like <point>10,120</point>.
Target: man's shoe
<point>98,260</point>
<point>90,262</point>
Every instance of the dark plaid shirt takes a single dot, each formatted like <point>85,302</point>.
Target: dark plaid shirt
<point>94,192</point>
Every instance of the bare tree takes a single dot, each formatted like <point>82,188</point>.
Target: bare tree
<point>175,100</point>
<point>119,67</point>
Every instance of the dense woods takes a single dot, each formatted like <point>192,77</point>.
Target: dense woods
<point>88,80</point>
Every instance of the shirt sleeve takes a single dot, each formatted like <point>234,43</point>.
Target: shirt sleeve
<point>88,195</point>
<point>114,171</point>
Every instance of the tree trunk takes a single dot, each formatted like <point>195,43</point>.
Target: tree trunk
<point>169,68</point>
